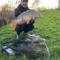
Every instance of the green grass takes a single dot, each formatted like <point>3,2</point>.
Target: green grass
<point>47,27</point>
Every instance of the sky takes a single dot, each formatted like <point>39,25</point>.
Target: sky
<point>11,2</point>
<point>46,3</point>
<point>50,3</point>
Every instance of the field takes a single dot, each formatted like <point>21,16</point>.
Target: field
<point>47,27</point>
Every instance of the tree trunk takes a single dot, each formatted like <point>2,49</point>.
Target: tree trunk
<point>59,4</point>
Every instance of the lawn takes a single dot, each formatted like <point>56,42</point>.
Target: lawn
<point>47,27</point>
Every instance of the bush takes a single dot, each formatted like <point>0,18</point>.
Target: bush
<point>7,12</point>
<point>2,22</point>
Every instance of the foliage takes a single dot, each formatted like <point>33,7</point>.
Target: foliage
<point>6,14</point>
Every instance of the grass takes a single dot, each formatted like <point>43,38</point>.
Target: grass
<point>47,27</point>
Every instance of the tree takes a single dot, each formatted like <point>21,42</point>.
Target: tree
<point>59,4</point>
<point>35,3</point>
